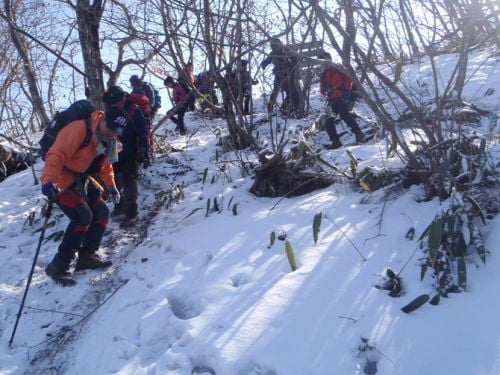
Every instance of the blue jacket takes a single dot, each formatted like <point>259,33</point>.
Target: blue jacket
<point>135,136</point>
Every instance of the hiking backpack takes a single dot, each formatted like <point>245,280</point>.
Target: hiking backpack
<point>157,103</point>
<point>191,97</point>
<point>149,91</point>
<point>142,101</point>
<point>79,110</point>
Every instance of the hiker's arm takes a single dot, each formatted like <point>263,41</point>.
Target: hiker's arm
<point>67,143</point>
<point>107,174</point>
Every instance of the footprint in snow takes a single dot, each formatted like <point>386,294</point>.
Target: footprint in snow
<point>185,307</point>
<point>254,368</point>
<point>240,279</point>
<point>203,370</point>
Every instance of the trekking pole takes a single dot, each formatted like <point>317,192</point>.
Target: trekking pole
<point>42,235</point>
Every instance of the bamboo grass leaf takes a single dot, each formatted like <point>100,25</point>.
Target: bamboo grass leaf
<point>290,255</point>
<point>316,226</point>
<point>416,303</point>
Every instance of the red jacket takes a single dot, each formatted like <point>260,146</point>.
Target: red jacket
<point>336,81</point>
<point>66,152</point>
<point>179,93</point>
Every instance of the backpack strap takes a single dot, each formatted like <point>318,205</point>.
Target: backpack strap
<point>88,134</point>
<point>131,114</point>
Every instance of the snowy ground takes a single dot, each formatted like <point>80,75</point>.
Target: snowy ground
<point>197,292</point>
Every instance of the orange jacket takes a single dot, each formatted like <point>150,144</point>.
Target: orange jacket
<point>336,81</point>
<point>66,152</point>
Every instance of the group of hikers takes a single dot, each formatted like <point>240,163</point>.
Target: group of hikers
<point>85,164</point>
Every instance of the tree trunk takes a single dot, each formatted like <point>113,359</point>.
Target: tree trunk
<point>468,33</point>
<point>22,50</point>
<point>350,28</point>
<point>411,39</point>
<point>89,18</point>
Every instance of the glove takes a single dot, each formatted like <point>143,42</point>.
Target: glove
<point>113,195</point>
<point>50,191</point>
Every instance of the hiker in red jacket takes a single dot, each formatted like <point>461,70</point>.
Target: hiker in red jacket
<point>178,96</point>
<point>74,178</point>
<point>337,86</point>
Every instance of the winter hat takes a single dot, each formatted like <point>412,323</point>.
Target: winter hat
<point>113,95</point>
<point>134,80</point>
<point>116,119</point>
<point>324,56</point>
<point>276,43</point>
<point>168,80</point>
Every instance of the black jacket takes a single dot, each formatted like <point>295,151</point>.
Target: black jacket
<point>135,136</point>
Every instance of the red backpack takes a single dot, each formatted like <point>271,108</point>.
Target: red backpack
<point>142,102</point>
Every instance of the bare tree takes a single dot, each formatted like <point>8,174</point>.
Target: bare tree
<point>22,50</point>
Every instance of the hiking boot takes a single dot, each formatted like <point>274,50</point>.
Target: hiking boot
<point>60,276</point>
<point>360,137</point>
<point>88,261</point>
<point>128,222</point>
<point>118,210</point>
<point>335,145</point>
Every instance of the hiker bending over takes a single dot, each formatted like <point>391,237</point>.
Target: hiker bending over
<point>68,180</point>
<point>337,86</point>
<point>135,144</point>
<point>179,98</point>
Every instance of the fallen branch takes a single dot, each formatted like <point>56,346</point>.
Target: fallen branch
<point>348,239</point>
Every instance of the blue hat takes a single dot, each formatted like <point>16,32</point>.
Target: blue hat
<point>134,79</point>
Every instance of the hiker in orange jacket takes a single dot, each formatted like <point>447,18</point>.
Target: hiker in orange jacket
<point>337,86</point>
<point>69,180</point>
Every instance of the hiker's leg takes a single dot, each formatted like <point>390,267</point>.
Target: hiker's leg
<point>100,219</point>
<point>79,213</point>
<point>341,108</point>
<point>130,174</point>
<point>274,93</point>
<point>119,181</point>
<point>180,119</point>
<point>87,257</point>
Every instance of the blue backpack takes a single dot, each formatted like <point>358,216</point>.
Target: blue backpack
<point>157,103</point>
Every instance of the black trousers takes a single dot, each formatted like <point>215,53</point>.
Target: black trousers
<point>88,217</point>
<point>178,119</point>
<point>126,174</point>
<point>341,108</point>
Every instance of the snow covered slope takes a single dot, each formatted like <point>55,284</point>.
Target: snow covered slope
<point>193,291</point>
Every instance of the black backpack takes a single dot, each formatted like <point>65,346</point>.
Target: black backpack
<point>79,110</point>
<point>191,95</point>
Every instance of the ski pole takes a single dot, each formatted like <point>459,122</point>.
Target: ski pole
<point>42,235</point>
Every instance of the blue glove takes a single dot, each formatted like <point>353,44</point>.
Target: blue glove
<point>114,195</point>
<point>50,191</point>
